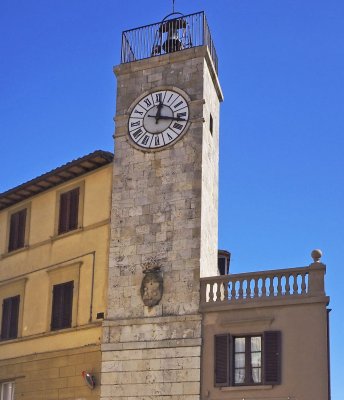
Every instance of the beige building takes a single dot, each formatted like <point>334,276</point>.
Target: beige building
<point>266,335</point>
<point>54,241</point>
<point>116,271</point>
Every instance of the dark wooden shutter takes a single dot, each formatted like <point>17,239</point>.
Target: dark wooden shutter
<point>61,315</point>
<point>17,230</point>
<point>272,357</point>
<point>56,307</point>
<point>74,209</point>
<point>10,315</point>
<point>221,361</point>
<point>64,212</point>
<point>6,319</point>
<point>67,304</point>
<point>69,209</point>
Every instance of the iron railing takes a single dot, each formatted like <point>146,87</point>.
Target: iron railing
<point>167,36</point>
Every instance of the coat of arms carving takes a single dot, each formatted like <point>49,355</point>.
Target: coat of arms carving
<point>152,283</point>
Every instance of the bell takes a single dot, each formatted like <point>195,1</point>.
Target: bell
<point>172,27</point>
<point>172,44</point>
<point>171,36</point>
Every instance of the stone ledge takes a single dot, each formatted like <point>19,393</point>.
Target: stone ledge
<point>260,303</point>
<point>245,388</point>
<point>50,355</point>
<point>164,59</point>
<point>151,320</point>
<point>152,345</point>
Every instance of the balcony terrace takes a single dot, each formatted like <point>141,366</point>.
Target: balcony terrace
<point>271,287</point>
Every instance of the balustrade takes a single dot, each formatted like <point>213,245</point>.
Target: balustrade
<point>274,284</point>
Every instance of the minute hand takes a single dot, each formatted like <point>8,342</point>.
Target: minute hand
<point>164,117</point>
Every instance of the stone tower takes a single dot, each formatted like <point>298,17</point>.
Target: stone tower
<point>164,218</point>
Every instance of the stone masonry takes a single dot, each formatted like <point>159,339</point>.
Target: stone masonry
<point>164,208</point>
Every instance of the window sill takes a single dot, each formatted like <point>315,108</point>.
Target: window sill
<point>245,388</point>
<point>65,234</point>
<point>13,252</point>
<point>52,333</point>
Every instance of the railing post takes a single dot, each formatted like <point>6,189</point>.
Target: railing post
<point>317,270</point>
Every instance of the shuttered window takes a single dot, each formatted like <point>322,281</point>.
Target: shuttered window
<point>69,210</point>
<point>248,360</point>
<point>10,316</point>
<point>62,305</point>
<point>17,230</point>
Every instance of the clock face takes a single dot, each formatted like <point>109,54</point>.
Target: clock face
<point>158,119</point>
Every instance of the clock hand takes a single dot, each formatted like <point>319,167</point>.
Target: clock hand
<point>158,113</point>
<point>164,117</point>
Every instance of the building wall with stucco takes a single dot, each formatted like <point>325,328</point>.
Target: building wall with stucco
<point>45,363</point>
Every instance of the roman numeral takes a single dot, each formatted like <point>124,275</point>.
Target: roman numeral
<point>178,104</point>
<point>170,98</point>
<point>137,123</point>
<point>181,115</point>
<point>145,140</point>
<point>178,126</point>
<point>157,141</point>
<point>138,112</point>
<point>137,133</point>
<point>158,97</point>
<point>169,136</point>
<point>148,102</point>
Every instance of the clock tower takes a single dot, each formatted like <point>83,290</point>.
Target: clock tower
<point>164,217</point>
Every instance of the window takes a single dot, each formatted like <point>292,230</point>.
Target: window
<point>69,210</point>
<point>7,391</point>
<point>17,230</point>
<point>223,261</point>
<point>248,360</point>
<point>10,317</point>
<point>211,124</point>
<point>62,305</point>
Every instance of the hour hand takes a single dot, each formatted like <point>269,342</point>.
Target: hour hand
<point>158,112</point>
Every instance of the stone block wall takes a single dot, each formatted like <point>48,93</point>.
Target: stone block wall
<point>144,360</point>
<point>164,203</point>
<point>55,375</point>
<point>164,207</point>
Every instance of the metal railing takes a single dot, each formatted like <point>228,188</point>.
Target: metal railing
<point>169,35</point>
<point>274,284</point>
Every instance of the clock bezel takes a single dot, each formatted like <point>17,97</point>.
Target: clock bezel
<point>140,98</point>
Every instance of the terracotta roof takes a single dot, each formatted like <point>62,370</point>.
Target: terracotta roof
<point>55,177</point>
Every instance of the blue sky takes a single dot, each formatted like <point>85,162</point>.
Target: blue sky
<point>282,122</point>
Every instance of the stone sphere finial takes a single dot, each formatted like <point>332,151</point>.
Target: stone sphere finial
<point>316,255</point>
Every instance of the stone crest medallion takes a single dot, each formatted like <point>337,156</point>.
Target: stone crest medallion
<point>152,283</point>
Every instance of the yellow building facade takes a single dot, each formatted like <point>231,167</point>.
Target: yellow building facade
<point>54,240</point>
